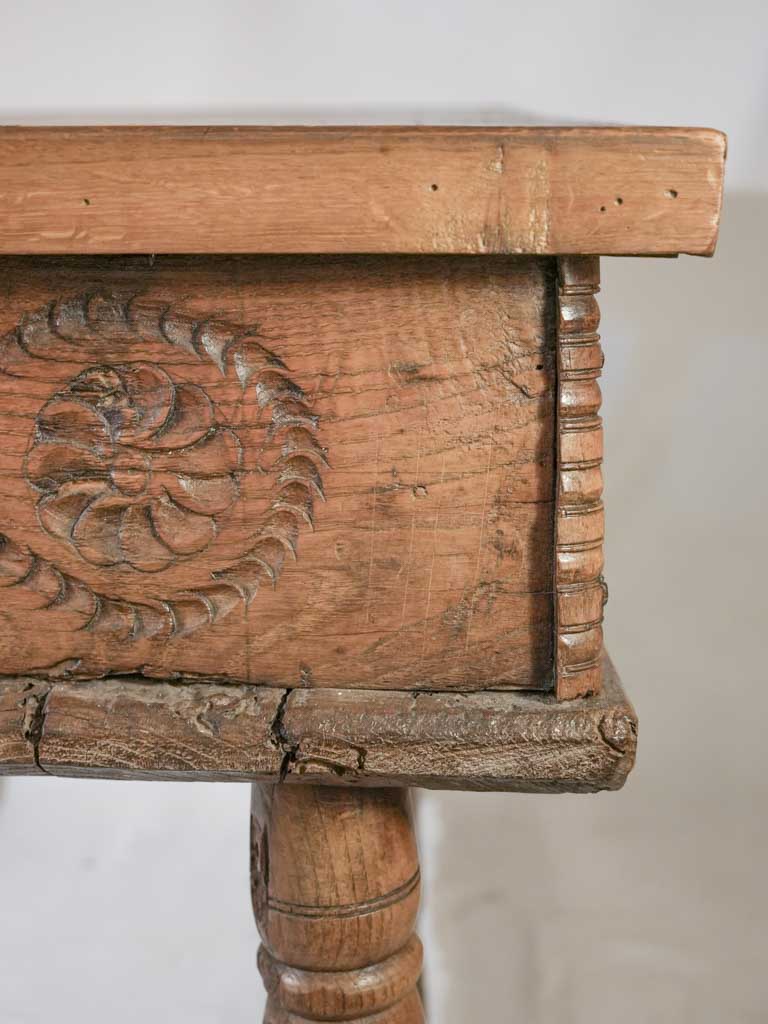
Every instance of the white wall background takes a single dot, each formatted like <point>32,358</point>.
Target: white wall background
<point>129,902</point>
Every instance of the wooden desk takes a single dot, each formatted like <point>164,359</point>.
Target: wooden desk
<point>301,485</point>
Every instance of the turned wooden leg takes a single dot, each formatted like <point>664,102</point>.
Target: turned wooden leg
<point>335,886</point>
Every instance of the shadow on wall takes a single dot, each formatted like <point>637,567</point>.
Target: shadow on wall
<point>650,900</point>
<point>687,359</point>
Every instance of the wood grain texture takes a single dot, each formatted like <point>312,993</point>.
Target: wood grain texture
<point>118,728</point>
<point>125,728</point>
<point>284,471</point>
<point>545,191</point>
<point>335,886</point>
<point>580,591</point>
<point>479,741</point>
<point>330,995</point>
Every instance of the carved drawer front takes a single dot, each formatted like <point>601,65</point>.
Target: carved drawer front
<point>284,470</point>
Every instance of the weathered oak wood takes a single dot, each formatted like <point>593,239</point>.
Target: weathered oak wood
<point>546,191</point>
<point>124,728</point>
<point>335,884</point>
<point>281,471</point>
<point>119,728</point>
<point>380,988</point>
<point>494,741</point>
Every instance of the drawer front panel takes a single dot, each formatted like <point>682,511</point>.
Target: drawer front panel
<point>288,471</point>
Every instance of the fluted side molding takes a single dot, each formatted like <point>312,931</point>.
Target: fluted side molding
<point>579,586</point>
<point>335,886</point>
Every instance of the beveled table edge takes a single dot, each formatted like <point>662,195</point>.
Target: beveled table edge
<point>130,728</point>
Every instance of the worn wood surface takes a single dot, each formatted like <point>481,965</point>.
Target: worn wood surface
<point>22,702</point>
<point>124,728</point>
<point>546,191</point>
<point>335,885</point>
<point>291,472</point>
<point>580,591</point>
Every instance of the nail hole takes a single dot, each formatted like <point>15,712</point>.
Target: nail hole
<point>619,201</point>
<point>86,202</point>
<point>671,193</point>
<point>539,366</point>
<point>433,188</point>
<point>602,209</point>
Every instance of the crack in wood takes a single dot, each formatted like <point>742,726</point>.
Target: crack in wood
<point>279,737</point>
<point>35,705</point>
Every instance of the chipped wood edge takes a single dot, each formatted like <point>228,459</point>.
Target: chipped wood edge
<point>22,713</point>
<point>122,728</point>
<point>580,591</point>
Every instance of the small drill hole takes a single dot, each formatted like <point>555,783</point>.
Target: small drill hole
<point>602,209</point>
<point>539,366</point>
<point>671,193</point>
<point>86,202</point>
<point>619,201</point>
<point>433,188</point>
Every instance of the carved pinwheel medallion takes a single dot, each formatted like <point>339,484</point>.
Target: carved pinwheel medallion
<point>132,467</point>
<point>136,471</point>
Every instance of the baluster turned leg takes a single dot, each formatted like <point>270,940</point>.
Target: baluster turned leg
<point>335,884</point>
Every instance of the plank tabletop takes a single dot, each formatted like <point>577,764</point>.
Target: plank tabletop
<point>536,191</point>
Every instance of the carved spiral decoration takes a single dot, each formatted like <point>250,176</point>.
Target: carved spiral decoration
<point>132,469</point>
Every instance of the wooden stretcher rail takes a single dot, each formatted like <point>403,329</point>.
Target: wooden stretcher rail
<point>540,191</point>
<point>138,729</point>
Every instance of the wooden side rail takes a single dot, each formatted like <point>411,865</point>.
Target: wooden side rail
<point>123,728</point>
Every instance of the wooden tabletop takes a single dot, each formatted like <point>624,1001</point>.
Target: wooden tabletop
<point>540,191</point>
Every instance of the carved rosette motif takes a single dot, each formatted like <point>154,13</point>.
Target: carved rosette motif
<point>132,468</point>
<point>580,591</point>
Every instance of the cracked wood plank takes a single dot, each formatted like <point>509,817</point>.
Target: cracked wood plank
<point>542,191</point>
<point>21,704</point>
<point>125,728</point>
<point>473,741</point>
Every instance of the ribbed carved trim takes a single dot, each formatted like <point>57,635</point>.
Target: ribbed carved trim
<point>580,591</point>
